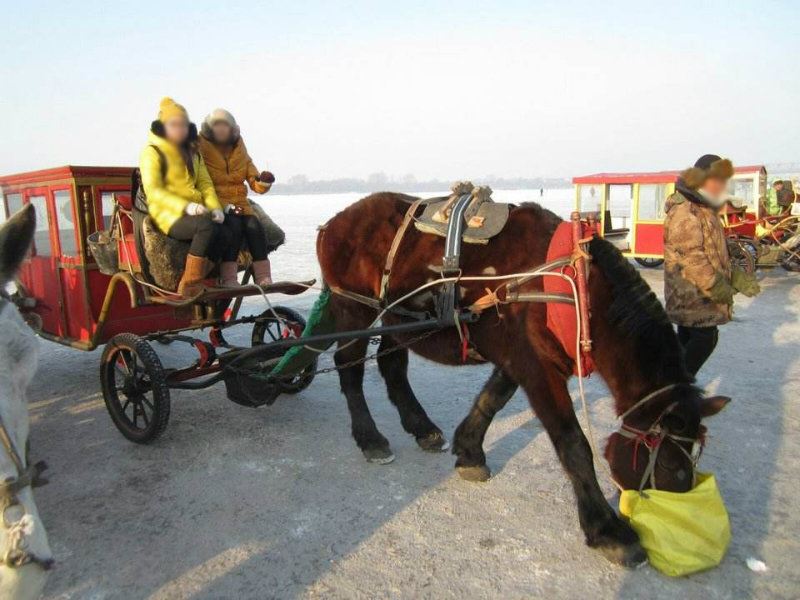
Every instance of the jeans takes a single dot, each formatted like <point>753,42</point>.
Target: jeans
<point>698,344</point>
<point>207,239</point>
<point>248,228</point>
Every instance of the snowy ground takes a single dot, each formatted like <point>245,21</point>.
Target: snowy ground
<point>278,502</point>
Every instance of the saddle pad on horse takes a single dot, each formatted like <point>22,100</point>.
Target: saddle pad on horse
<point>483,222</point>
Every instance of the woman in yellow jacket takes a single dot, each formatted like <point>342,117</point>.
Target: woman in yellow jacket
<point>181,199</point>
<point>230,166</point>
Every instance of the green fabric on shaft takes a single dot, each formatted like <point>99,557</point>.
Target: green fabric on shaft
<point>299,357</point>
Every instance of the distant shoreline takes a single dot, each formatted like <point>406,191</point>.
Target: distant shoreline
<point>298,184</point>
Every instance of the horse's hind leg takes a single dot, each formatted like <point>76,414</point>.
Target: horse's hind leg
<point>372,443</point>
<point>468,439</point>
<point>394,369</point>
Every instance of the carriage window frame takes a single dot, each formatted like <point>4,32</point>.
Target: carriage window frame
<point>62,233</point>
<point>7,210</point>
<point>32,198</point>
<point>658,203</point>
<point>99,193</point>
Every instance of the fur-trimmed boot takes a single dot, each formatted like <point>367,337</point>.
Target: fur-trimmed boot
<point>191,283</point>
<point>227,274</point>
<point>262,272</point>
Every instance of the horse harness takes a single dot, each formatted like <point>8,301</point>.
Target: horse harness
<point>654,436</point>
<point>16,553</point>
<point>566,257</point>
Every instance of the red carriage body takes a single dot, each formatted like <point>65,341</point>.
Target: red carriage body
<point>73,302</point>
<point>630,206</point>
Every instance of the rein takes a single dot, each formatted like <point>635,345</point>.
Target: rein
<point>653,438</point>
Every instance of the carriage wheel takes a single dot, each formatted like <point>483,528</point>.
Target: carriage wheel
<point>291,324</point>
<point>650,263</point>
<point>743,254</point>
<point>134,388</point>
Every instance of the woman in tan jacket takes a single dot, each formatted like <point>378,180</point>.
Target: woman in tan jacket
<point>230,166</point>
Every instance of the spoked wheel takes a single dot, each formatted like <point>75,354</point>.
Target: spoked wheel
<point>134,388</point>
<point>650,263</point>
<point>280,323</point>
<point>743,253</point>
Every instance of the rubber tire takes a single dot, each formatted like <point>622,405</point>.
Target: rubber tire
<point>741,256</point>
<point>303,379</point>
<point>158,387</point>
<point>650,263</point>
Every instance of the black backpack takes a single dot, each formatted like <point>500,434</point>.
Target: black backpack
<point>137,189</point>
<point>140,211</point>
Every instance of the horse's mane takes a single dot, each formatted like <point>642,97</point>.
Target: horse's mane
<point>637,314</point>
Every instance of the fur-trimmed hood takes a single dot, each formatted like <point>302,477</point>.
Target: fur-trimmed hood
<point>220,114</point>
<point>190,145</point>
<point>694,177</point>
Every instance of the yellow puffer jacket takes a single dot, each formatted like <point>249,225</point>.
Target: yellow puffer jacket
<point>168,196</point>
<point>229,167</point>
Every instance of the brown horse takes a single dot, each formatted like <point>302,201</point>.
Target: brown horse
<point>635,351</point>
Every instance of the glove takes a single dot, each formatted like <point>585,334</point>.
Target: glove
<point>722,291</point>
<point>266,177</point>
<point>193,209</point>
<point>217,215</point>
<point>745,283</point>
<point>258,187</point>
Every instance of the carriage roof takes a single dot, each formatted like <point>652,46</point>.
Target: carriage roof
<point>67,172</point>
<point>650,177</point>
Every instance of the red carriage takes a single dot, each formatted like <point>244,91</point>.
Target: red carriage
<point>630,209</point>
<point>75,296</point>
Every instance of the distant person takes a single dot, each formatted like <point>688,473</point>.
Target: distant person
<point>699,281</point>
<point>771,206</point>
<point>230,166</point>
<point>181,199</point>
<point>785,197</point>
<point>541,192</point>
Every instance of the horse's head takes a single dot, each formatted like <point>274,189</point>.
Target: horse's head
<point>24,551</point>
<point>660,439</point>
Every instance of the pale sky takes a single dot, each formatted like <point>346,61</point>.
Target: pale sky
<point>451,90</point>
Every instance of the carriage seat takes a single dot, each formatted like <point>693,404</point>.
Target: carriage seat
<point>483,218</point>
<point>166,257</point>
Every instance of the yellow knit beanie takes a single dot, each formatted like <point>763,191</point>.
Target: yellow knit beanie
<point>168,109</point>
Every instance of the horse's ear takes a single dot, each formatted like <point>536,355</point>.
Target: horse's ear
<point>711,405</point>
<point>16,236</point>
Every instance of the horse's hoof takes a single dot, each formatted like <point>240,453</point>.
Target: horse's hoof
<point>630,556</point>
<point>379,456</point>
<point>619,543</point>
<point>474,473</point>
<point>434,442</point>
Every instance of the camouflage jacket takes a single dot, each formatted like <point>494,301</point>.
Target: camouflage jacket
<point>695,253</point>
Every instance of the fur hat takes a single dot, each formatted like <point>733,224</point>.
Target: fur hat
<point>168,109</point>
<point>215,116</point>
<point>708,166</point>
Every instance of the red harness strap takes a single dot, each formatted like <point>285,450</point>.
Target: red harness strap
<point>567,241</point>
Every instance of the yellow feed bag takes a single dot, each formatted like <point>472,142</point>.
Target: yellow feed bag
<point>681,533</point>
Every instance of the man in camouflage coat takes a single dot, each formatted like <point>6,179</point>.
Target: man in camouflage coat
<point>699,282</point>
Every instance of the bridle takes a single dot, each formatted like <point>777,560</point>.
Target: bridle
<point>16,553</point>
<point>655,435</point>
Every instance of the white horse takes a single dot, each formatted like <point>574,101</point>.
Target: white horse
<point>25,554</point>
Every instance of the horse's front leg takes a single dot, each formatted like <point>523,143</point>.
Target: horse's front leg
<point>468,439</point>
<point>393,365</point>
<point>604,530</point>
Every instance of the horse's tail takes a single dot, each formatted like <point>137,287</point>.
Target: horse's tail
<point>320,320</point>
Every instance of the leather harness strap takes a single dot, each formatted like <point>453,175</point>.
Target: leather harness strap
<point>398,238</point>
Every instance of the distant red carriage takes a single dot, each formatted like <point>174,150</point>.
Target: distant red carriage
<point>630,208</point>
<point>68,298</point>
